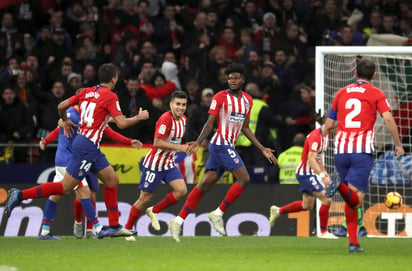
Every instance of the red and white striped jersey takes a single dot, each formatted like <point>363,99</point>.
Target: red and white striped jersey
<point>231,112</point>
<point>356,107</point>
<point>97,104</point>
<point>314,142</point>
<point>171,131</point>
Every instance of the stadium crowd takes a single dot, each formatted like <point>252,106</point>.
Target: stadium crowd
<point>49,49</point>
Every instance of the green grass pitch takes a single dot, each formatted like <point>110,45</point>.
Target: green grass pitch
<point>204,253</point>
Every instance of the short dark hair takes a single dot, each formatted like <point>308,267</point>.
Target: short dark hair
<point>365,69</point>
<point>178,94</point>
<point>107,72</point>
<point>235,67</point>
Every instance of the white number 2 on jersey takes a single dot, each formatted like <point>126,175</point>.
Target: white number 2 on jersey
<point>87,111</point>
<point>356,107</point>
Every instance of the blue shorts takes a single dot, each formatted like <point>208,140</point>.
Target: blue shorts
<point>86,158</point>
<point>150,179</point>
<point>309,184</point>
<point>354,168</point>
<point>223,158</point>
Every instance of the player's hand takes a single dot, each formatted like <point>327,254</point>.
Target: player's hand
<point>326,180</point>
<point>68,128</point>
<point>193,148</point>
<point>143,114</point>
<point>42,144</point>
<point>399,150</point>
<point>268,153</point>
<point>136,144</point>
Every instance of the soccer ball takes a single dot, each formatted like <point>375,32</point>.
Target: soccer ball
<point>393,200</point>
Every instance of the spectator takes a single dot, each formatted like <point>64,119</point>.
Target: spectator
<point>89,76</point>
<point>199,116</point>
<point>15,44</point>
<point>126,57</point>
<point>229,41</point>
<point>246,40</point>
<point>157,91</point>
<point>267,36</point>
<point>145,25</point>
<point>16,123</point>
<point>130,101</point>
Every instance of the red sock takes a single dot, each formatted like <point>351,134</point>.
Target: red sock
<point>110,199</point>
<point>78,211</point>
<point>43,190</point>
<point>292,207</point>
<point>90,223</point>
<point>191,202</point>
<point>324,217</point>
<point>349,196</point>
<point>234,191</point>
<point>133,216</point>
<point>169,200</point>
<point>352,224</point>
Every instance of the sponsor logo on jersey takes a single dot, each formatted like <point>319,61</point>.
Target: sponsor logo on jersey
<point>237,117</point>
<point>175,140</point>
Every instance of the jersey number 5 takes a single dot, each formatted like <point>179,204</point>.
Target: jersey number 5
<point>87,111</point>
<point>355,105</point>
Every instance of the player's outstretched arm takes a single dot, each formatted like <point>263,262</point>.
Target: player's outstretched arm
<point>207,129</point>
<point>267,152</point>
<point>393,129</point>
<point>162,144</point>
<point>115,136</point>
<point>123,122</point>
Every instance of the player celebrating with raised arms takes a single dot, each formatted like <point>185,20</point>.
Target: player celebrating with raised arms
<point>97,104</point>
<point>159,164</point>
<point>310,172</point>
<point>231,108</point>
<point>354,109</point>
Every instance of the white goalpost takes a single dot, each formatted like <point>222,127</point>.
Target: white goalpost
<point>335,68</point>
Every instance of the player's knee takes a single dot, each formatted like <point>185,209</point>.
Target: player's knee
<point>307,206</point>
<point>180,193</point>
<point>243,182</point>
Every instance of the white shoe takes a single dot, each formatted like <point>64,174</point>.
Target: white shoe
<point>90,235</point>
<point>153,218</point>
<point>78,230</point>
<point>174,229</point>
<point>327,235</point>
<point>274,214</point>
<point>130,238</point>
<point>217,222</point>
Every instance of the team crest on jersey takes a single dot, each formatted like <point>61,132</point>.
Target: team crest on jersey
<point>213,104</point>
<point>162,129</point>
<point>118,106</point>
<point>236,160</point>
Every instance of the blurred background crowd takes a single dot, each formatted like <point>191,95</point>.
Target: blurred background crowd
<point>50,48</point>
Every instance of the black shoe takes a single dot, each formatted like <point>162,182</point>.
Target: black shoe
<point>333,187</point>
<point>355,248</point>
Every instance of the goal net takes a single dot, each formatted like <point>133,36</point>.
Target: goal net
<point>335,68</point>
